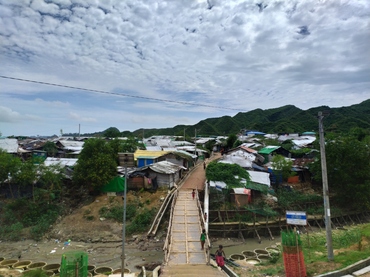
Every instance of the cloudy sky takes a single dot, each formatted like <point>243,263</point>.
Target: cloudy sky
<point>154,64</point>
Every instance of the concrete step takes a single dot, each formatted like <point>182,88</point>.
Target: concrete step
<point>190,270</point>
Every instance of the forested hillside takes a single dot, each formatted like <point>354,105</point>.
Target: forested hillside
<point>289,119</point>
<point>286,119</point>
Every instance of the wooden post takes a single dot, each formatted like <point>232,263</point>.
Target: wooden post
<point>309,245</point>
<point>298,256</point>
<point>267,221</point>
<point>76,269</point>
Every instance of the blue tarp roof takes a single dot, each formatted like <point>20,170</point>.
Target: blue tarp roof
<point>252,132</point>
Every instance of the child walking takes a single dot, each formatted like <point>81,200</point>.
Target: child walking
<point>220,256</point>
<point>203,238</point>
<point>193,193</point>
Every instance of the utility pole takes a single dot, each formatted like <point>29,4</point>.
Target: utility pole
<point>329,240</point>
<point>195,141</point>
<point>127,160</point>
<point>124,219</point>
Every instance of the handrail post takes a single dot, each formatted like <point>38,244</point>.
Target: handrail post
<point>202,226</point>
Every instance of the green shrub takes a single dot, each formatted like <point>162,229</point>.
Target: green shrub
<point>23,213</point>
<point>11,232</point>
<point>130,211</point>
<point>141,221</point>
<point>116,212</point>
<point>89,217</point>
<point>43,224</point>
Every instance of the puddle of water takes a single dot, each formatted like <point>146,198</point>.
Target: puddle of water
<point>233,246</point>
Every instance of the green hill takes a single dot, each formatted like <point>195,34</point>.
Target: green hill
<point>286,119</point>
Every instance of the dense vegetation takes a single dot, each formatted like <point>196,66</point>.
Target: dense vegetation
<point>231,174</point>
<point>38,194</point>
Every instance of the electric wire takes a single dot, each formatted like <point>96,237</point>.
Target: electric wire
<point>116,94</point>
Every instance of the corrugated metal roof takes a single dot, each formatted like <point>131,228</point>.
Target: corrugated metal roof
<point>187,153</point>
<point>250,150</point>
<point>181,142</point>
<point>172,149</point>
<point>304,141</point>
<point>203,140</point>
<point>268,149</point>
<point>10,145</point>
<point>148,154</point>
<point>62,161</point>
<point>153,148</point>
<point>72,145</point>
<point>165,167</point>
<point>186,148</point>
<point>239,160</point>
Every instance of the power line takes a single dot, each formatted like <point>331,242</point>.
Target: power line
<point>117,94</point>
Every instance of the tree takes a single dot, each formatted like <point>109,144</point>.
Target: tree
<point>129,145</point>
<point>111,132</point>
<point>359,133</point>
<point>50,149</point>
<point>209,145</point>
<point>51,179</point>
<point>26,176</point>
<point>9,165</point>
<point>231,174</point>
<point>231,140</point>
<point>282,166</point>
<point>348,163</point>
<point>96,164</point>
<point>237,143</point>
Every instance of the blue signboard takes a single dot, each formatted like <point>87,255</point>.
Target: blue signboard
<point>296,218</point>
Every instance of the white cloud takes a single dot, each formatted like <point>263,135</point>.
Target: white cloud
<point>77,117</point>
<point>220,53</point>
<point>8,115</point>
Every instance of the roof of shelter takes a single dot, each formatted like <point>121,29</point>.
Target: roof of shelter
<point>62,161</point>
<point>268,149</point>
<point>165,167</point>
<point>10,145</point>
<point>148,154</point>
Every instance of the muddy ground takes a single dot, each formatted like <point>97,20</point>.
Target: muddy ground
<point>99,237</point>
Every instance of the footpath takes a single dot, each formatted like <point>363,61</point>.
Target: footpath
<point>186,256</point>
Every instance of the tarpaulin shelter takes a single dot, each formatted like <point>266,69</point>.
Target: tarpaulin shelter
<point>242,196</point>
<point>116,185</point>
